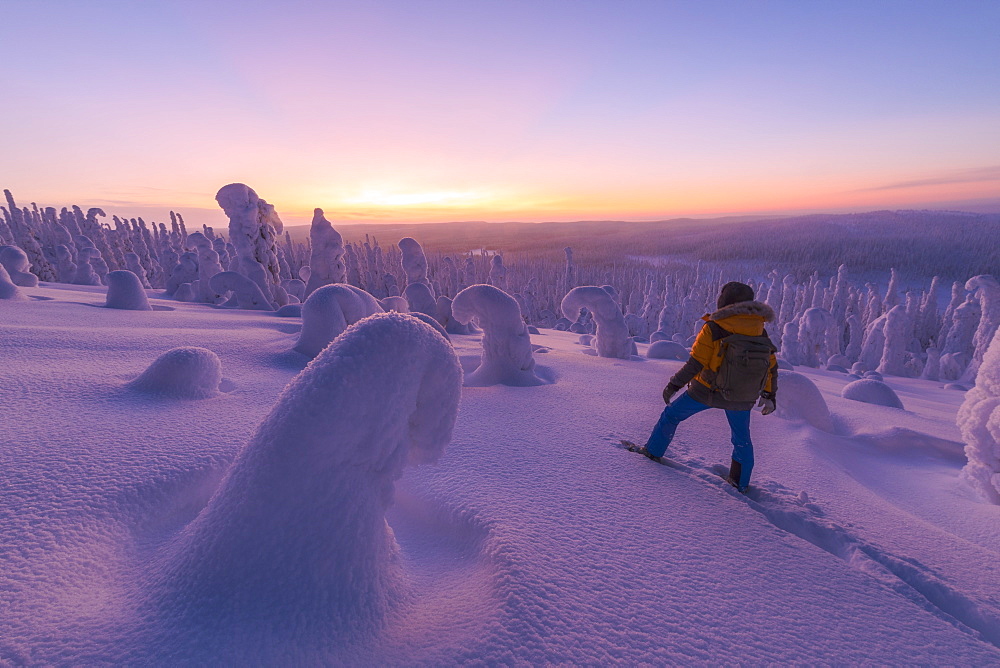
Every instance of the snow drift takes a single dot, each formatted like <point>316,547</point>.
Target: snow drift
<point>182,373</point>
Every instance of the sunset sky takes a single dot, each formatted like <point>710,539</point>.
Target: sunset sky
<point>433,110</point>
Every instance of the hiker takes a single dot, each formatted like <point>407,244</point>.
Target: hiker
<point>732,365</point>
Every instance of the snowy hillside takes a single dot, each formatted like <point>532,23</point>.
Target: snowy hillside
<point>245,526</point>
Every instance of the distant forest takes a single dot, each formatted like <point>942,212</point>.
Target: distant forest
<point>953,245</point>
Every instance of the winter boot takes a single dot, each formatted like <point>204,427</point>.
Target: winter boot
<point>641,449</point>
<point>735,471</point>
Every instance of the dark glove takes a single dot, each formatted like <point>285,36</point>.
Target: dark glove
<point>768,403</point>
<point>668,392</point>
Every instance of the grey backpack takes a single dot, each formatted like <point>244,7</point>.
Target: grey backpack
<point>746,361</point>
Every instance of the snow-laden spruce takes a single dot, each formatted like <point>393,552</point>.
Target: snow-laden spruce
<point>326,258</point>
<point>413,261</point>
<point>328,311</point>
<point>986,289</point>
<point>125,292</point>
<point>506,358</point>
<point>612,332</point>
<point>253,224</point>
<point>294,545</point>
<point>188,372</point>
<point>979,421</point>
<point>18,267</point>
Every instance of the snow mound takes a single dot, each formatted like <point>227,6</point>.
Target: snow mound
<point>18,267</point>
<point>125,292</point>
<point>289,311</point>
<point>871,391</point>
<point>979,421</point>
<point>8,290</point>
<point>395,303</point>
<point>182,373</point>
<point>506,358</point>
<point>328,311</point>
<point>667,350</point>
<point>800,399</point>
<point>294,545</point>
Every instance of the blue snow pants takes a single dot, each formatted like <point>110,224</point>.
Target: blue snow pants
<point>684,407</point>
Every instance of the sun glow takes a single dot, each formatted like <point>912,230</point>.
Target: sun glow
<point>378,197</point>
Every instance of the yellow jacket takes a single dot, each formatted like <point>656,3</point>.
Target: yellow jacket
<point>745,318</point>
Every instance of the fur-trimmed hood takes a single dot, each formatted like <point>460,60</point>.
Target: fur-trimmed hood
<point>744,308</point>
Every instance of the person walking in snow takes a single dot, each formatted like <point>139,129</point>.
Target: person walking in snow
<point>732,366</point>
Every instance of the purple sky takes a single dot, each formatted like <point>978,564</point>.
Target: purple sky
<point>434,110</point>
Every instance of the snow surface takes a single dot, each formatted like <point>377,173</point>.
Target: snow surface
<point>533,539</point>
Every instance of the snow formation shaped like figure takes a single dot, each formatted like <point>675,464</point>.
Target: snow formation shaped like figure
<point>85,272</point>
<point>329,311</point>
<point>506,357</point>
<point>667,350</point>
<point>294,545</point>
<point>185,271</point>
<point>979,421</point>
<point>800,399</point>
<point>18,267</point>
<point>247,293</point>
<point>420,299</point>
<point>8,290</point>
<point>897,330</point>
<point>612,332</point>
<point>182,373</point>
<point>413,261</point>
<point>252,228</point>
<point>447,320</point>
<point>65,266</point>
<point>790,343</point>
<point>814,328</point>
<point>498,273</point>
<point>134,264</point>
<point>871,391</point>
<point>326,259</point>
<point>125,292</point>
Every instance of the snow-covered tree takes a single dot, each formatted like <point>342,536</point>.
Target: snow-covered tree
<point>979,421</point>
